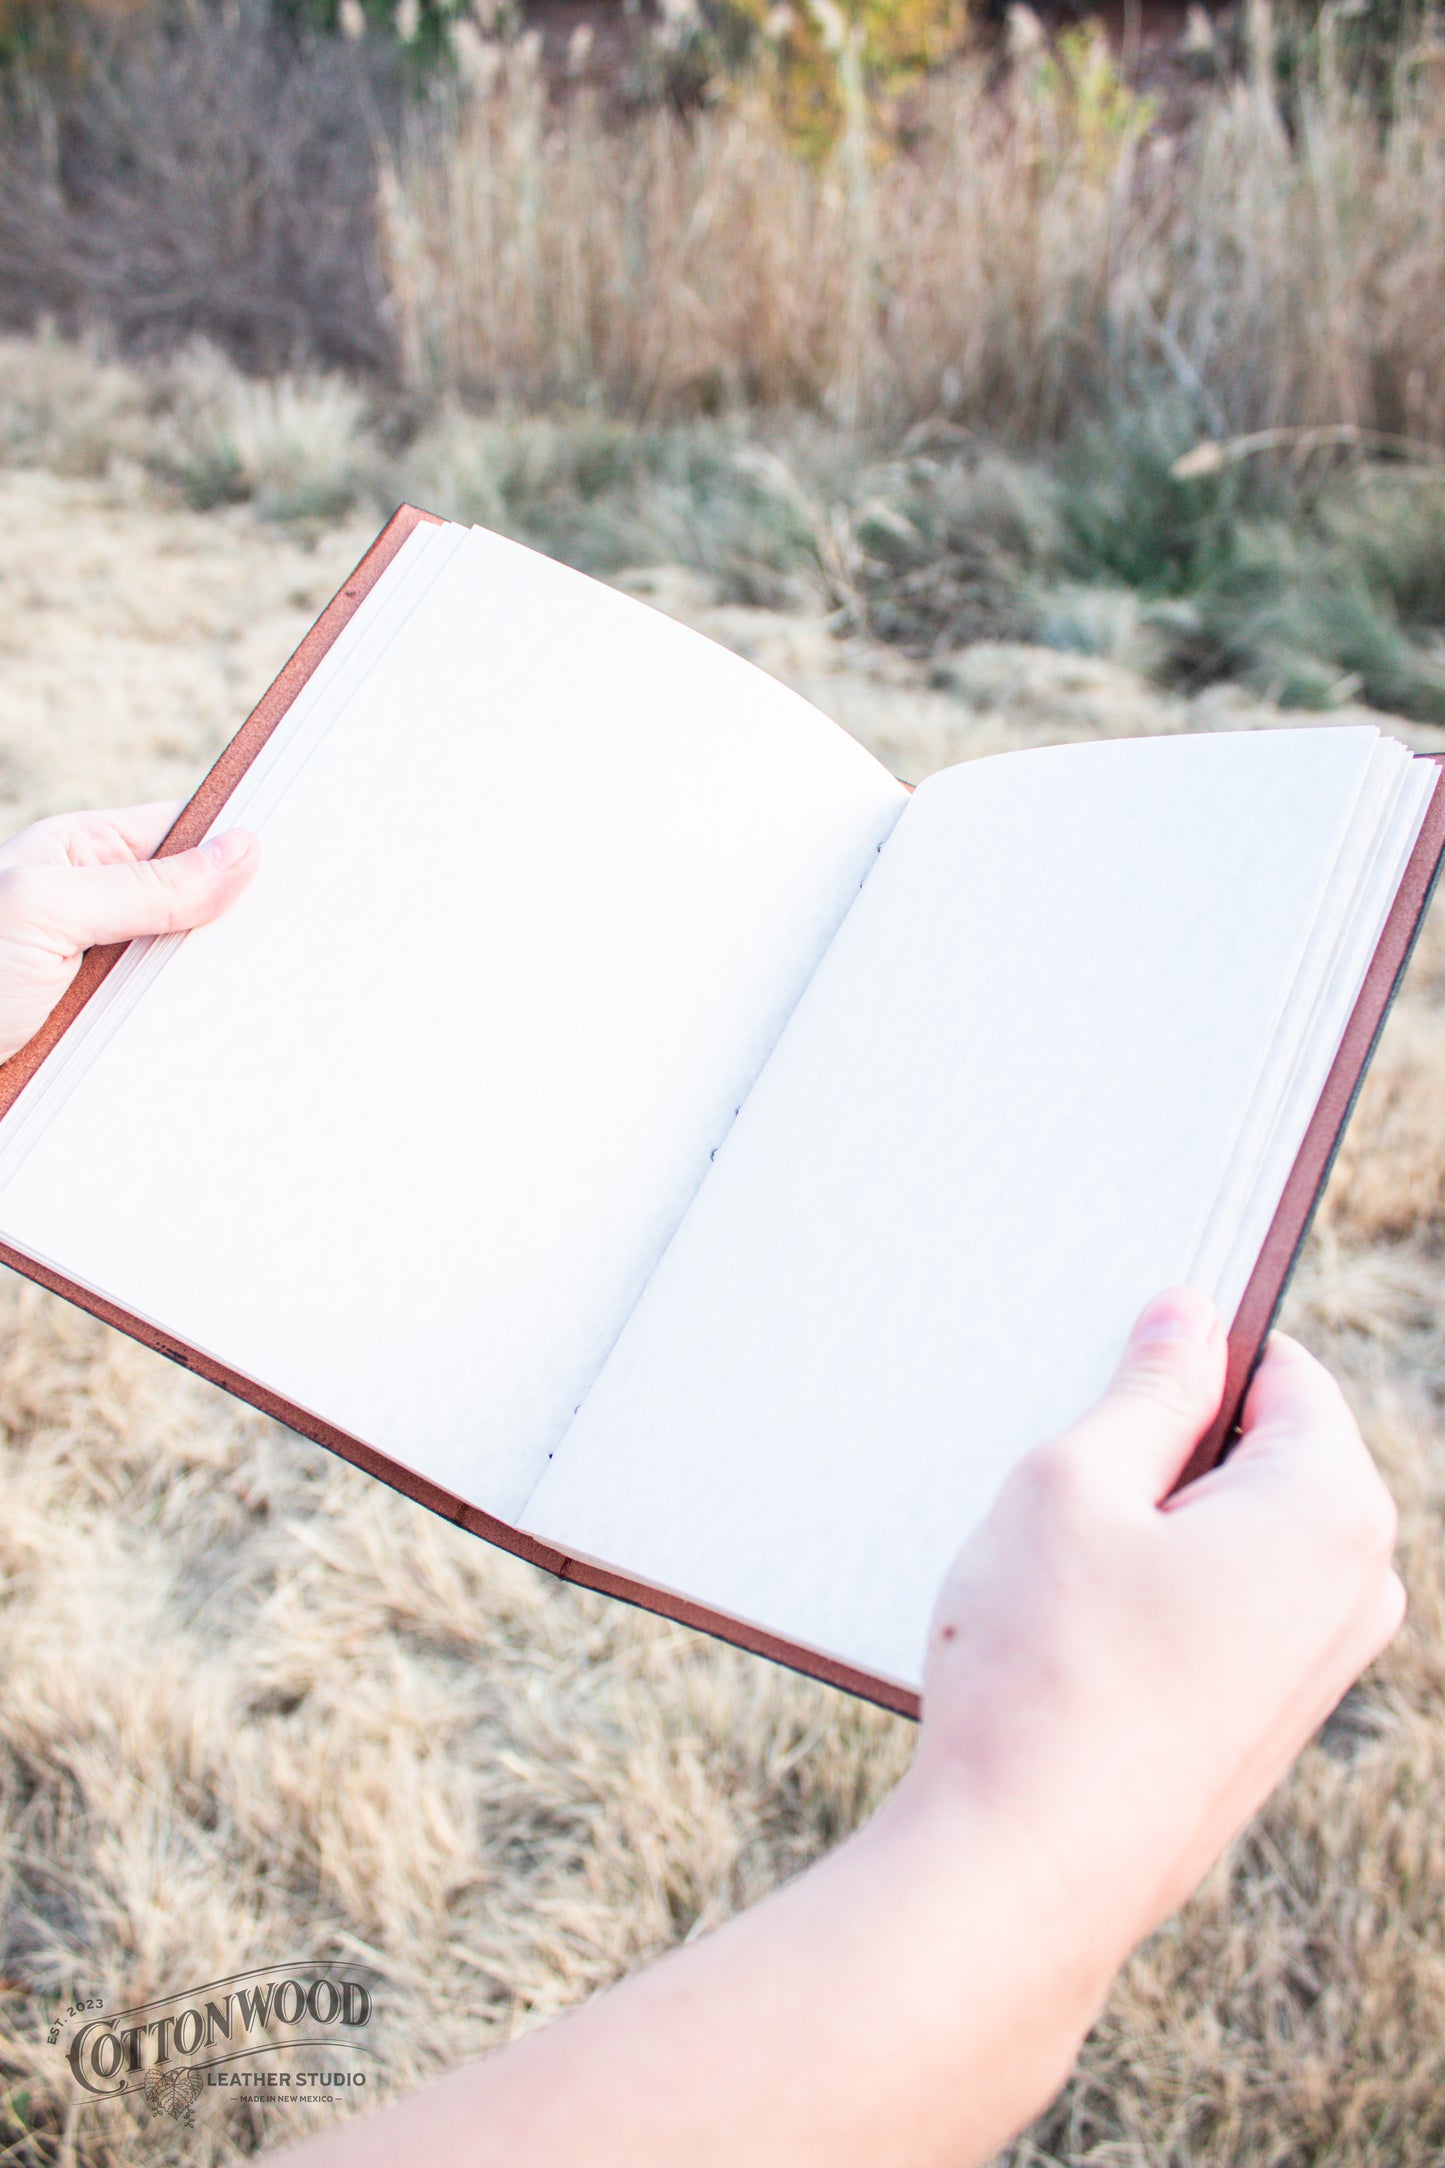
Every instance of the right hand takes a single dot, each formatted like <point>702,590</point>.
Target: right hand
<point>1115,1680</point>
<point>1125,1672</point>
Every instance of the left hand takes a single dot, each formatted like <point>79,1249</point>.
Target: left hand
<point>83,878</point>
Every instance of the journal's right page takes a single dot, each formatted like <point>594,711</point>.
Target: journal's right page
<point>1084,1006</point>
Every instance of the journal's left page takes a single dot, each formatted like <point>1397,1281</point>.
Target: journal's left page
<point>401,1139</point>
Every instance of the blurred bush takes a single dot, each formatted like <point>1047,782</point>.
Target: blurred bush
<point>208,174</point>
<point>1315,584</point>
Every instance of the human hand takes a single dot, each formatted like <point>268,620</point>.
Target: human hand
<point>83,878</point>
<point>1125,1675</point>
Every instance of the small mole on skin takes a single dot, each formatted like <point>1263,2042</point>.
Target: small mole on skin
<point>947,1633</point>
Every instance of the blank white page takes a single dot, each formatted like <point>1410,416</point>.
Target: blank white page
<point>403,1136</point>
<point>996,1125</point>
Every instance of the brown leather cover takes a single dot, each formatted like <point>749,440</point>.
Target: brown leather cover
<point>1251,1326</point>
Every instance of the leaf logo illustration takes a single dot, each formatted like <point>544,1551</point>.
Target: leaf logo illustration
<point>173,2092</point>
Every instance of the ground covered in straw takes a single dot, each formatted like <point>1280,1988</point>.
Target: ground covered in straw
<point>255,1707</point>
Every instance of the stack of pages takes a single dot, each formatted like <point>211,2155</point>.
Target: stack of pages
<point>622,1114</point>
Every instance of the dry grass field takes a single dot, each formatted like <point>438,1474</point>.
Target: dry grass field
<point>254,1707</point>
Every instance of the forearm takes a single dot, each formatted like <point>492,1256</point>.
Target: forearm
<point>913,1998</point>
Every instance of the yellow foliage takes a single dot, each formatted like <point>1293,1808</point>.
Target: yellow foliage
<point>821,61</point>
<point>805,46</point>
<point>1079,79</point>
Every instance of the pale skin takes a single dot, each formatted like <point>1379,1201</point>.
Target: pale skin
<point>79,879</point>
<point>1118,1675</point>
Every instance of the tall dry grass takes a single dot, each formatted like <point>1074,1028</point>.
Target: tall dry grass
<point>1043,243</point>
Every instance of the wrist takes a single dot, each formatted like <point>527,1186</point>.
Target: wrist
<point>1007,1894</point>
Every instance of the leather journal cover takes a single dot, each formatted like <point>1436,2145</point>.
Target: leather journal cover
<point>1247,1335</point>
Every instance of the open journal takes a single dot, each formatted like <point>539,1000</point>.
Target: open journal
<point>625,1118</point>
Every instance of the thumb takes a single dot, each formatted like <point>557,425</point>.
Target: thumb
<point>83,905</point>
<point>1163,1396</point>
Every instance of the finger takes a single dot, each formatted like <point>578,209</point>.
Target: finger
<point>1301,1454</point>
<point>1290,1386</point>
<point>78,906</point>
<point>1164,1395</point>
<point>1300,1442</point>
<point>93,839</point>
<point>1294,1406</point>
<point>138,830</point>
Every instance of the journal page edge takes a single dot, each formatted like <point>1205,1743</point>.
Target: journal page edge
<point>1264,1292</point>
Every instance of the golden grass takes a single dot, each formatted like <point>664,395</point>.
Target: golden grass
<point>257,1708</point>
<point>1042,245</point>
